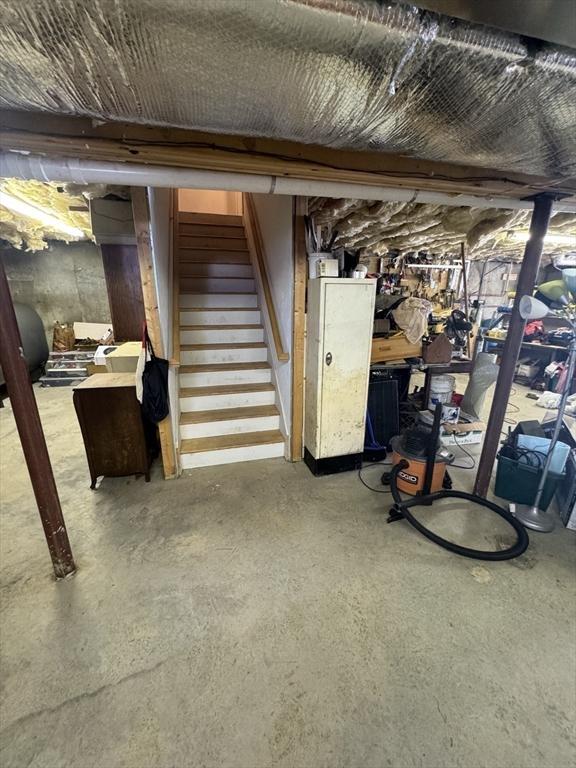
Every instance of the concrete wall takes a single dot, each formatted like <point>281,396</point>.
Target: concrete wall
<point>64,282</point>
<point>275,218</point>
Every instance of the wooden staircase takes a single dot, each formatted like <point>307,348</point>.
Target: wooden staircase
<point>227,398</point>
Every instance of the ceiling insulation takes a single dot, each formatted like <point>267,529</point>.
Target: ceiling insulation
<point>379,228</point>
<point>26,233</point>
<point>339,73</point>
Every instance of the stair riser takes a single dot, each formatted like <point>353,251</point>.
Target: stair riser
<point>221,378</point>
<point>200,356</point>
<point>215,270</point>
<point>218,402</point>
<point>244,317</point>
<point>213,300</point>
<point>231,427</point>
<point>218,336</point>
<point>216,285</point>
<point>211,243</point>
<point>190,255</point>
<point>231,455</point>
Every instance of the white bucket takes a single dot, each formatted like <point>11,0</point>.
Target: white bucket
<point>441,390</point>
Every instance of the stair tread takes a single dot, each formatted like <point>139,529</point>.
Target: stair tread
<point>218,293</point>
<point>243,253</point>
<point>240,440</point>
<point>228,260</point>
<point>226,414</point>
<point>213,277</point>
<point>228,219</point>
<point>210,367</point>
<point>219,309</point>
<point>226,389</point>
<point>209,327</point>
<point>234,345</point>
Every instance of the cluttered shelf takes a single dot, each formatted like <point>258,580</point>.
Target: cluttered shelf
<point>535,344</point>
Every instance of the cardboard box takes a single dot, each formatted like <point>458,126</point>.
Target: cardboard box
<point>462,433</point>
<point>124,358</point>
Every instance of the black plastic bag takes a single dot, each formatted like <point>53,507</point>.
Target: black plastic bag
<point>155,404</point>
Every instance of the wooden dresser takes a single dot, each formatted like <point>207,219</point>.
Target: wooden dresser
<point>111,421</point>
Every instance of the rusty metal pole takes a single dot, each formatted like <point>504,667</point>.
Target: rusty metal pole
<point>465,284</point>
<point>29,427</point>
<point>513,343</point>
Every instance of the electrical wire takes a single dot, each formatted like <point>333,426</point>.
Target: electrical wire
<point>367,466</point>
<point>460,466</point>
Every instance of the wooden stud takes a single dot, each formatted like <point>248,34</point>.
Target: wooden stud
<point>298,328</point>
<point>142,229</point>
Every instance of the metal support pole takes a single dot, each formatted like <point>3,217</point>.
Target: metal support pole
<point>29,427</point>
<point>465,285</point>
<point>513,343</point>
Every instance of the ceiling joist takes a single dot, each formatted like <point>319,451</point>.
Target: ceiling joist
<point>63,136</point>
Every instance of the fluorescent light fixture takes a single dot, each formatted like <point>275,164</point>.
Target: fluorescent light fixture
<point>31,212</point>
<point>551,239</point>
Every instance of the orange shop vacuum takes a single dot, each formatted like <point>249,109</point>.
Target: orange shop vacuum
<point>419,470</point>
<point>413,447</point>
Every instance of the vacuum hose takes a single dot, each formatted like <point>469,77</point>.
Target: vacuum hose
<point>402,509</point>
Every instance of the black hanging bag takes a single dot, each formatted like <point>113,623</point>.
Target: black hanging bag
<point>155,405</point>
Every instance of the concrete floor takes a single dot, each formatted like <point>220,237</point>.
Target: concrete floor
<point>254,615</point>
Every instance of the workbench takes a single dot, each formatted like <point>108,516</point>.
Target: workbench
<point>431,369</point>
<point>552,349</point>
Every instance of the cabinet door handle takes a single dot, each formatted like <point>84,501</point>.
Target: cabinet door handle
<point>328,358</point>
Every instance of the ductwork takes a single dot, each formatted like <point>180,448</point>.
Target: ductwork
<point>338,73</point>
<point>24,166</point>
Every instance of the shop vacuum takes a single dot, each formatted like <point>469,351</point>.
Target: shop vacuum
<point>419,470</point>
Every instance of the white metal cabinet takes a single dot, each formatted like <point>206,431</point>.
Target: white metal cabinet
<point>339,335</point>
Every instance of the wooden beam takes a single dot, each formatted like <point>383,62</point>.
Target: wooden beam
<point>298,328</point>
<point>32,438</point>
<point>122,142</point>
<point>142,229</point>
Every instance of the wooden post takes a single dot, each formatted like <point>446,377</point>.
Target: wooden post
<point>513,343</point>
<point>142,229</point>
<point>465,286</point>
<point>298,328</point>
<point>27,419</point>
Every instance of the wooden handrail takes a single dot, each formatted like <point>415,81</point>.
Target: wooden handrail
<point>256,246</point>
<point>175,356</point>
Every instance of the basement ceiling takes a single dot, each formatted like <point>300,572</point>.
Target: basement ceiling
<point>338,73</point>
<point>380,228</point>
<point>27,233</point>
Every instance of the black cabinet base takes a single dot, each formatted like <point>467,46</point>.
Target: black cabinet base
<point>333,464</point>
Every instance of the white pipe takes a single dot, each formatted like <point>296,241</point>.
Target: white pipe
<point>66,169</point>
